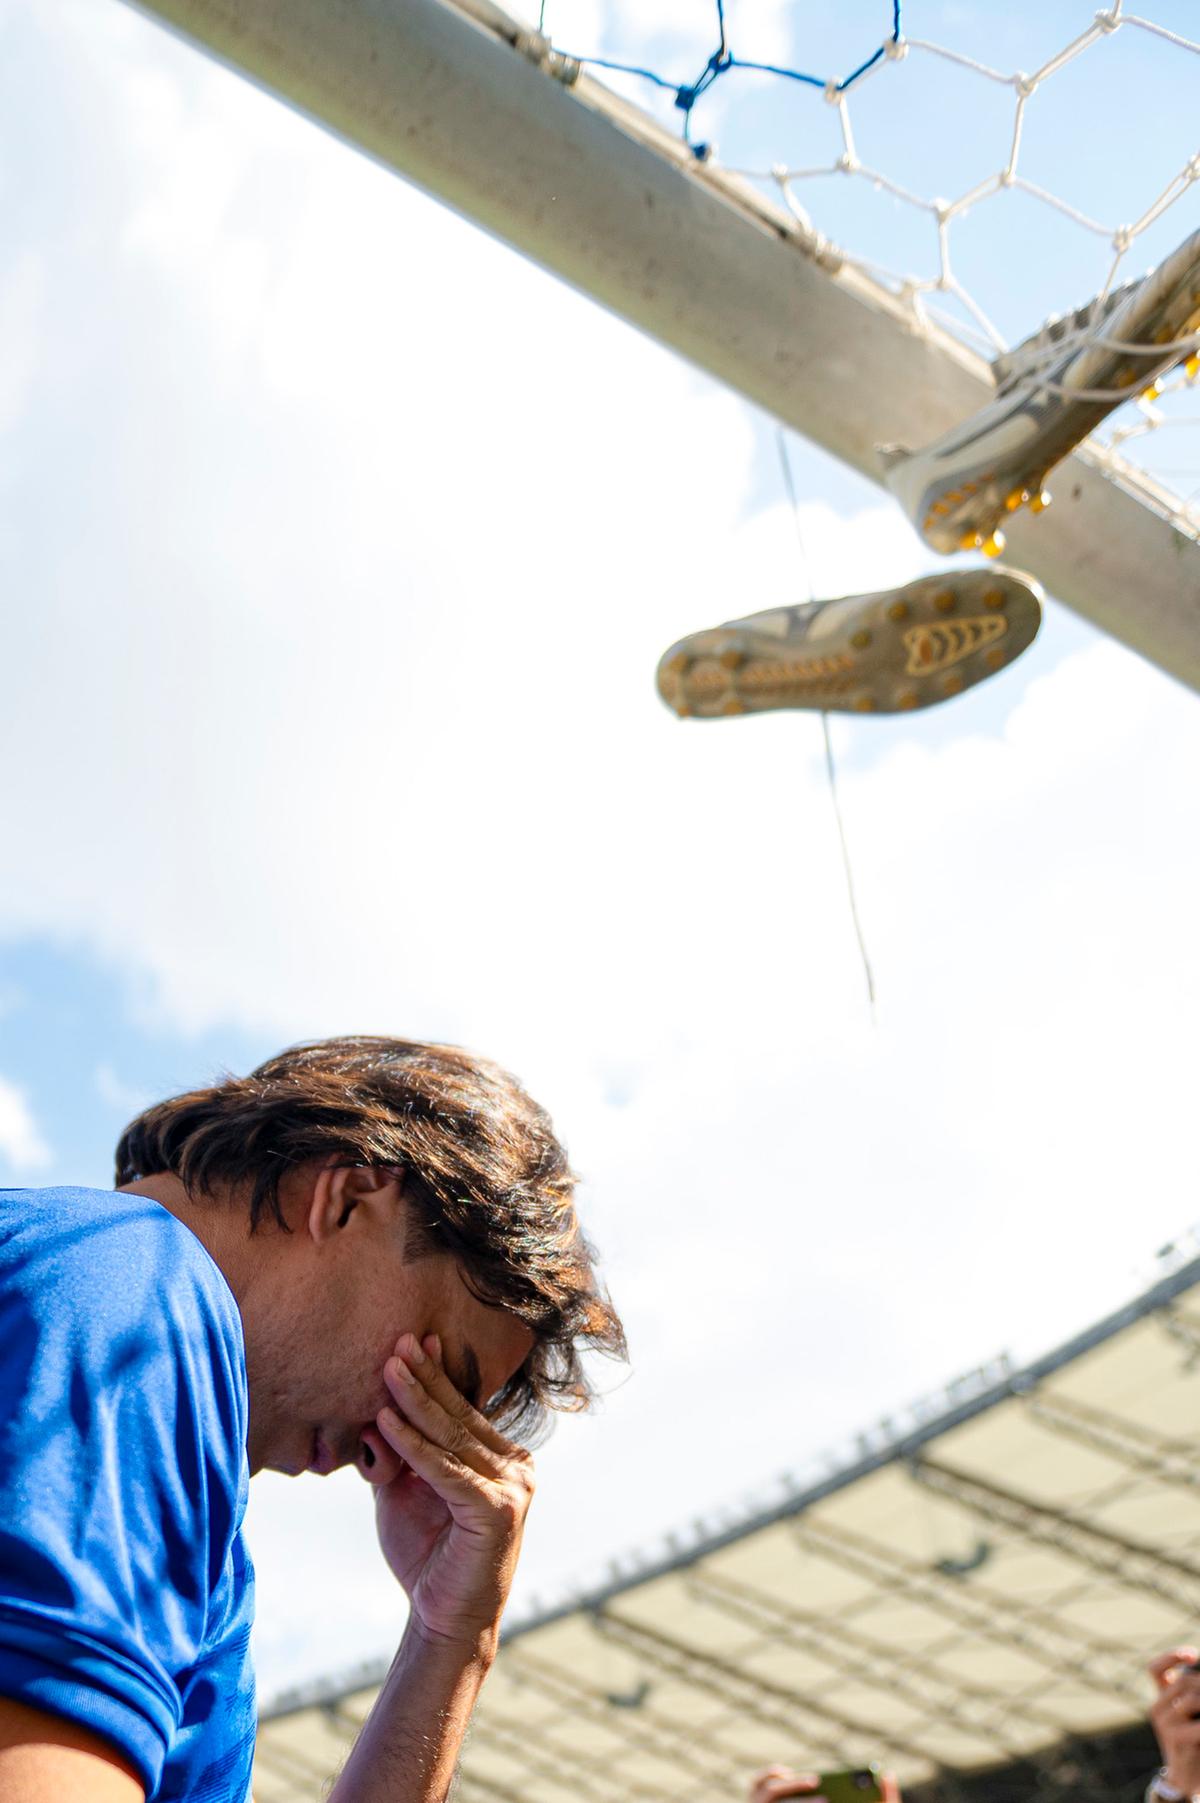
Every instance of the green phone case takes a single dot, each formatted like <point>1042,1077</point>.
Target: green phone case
<point>861,1786</point>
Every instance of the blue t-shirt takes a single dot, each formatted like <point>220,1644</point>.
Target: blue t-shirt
<point>126,1595</point>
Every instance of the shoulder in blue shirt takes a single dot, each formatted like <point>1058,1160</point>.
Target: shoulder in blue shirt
<point>126,1596</point>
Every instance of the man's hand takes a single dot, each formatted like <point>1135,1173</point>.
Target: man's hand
<point>450,1509</point>
<point>1173,1717</point>
<point>451,1495</point>
<point>779,1781</point>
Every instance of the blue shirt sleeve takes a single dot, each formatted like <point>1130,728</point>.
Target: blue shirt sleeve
<point>122,1463</point>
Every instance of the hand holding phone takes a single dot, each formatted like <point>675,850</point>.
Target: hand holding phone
<point>864,1785</point>
<point>1175,1717</point>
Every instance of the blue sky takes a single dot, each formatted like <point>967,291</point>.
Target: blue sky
<point>330,633</point>
<point>88,1047</point>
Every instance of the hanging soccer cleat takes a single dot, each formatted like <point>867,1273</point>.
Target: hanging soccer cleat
<point>883,653</point>
<point>1051,391</point>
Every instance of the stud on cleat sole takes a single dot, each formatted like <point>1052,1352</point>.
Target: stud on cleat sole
<point>860,640</point>
<point>945,601</point>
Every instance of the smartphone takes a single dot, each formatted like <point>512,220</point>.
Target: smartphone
<point>863,1786</point>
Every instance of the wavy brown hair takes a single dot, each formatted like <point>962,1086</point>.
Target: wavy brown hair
<point>485,1180</point>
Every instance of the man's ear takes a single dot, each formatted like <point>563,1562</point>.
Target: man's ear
<point>344,1192</point>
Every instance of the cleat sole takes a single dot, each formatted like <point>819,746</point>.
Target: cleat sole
<point>892,652</point>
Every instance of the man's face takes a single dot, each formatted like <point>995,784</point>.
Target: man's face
<point>323,1314</point>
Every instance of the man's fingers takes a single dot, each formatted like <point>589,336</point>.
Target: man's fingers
<point>441,1386</point>
<point>1160,1669</point>
<point>422,1389</point>
<point>414,1403</point>
<point>776,1790</point>
<point>1178,1725</point>
<point>476,1503</point>
<point>1185,1733</point>
<point>779,1781</point>
<point>449,1477</point>
<point>1180,1695</point>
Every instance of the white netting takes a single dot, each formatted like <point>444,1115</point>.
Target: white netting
<point>1104,152</point>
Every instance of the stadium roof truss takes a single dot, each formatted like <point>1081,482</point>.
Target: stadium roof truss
<point>967,1592</point>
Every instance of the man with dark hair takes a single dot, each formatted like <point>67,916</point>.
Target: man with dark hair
<point>366,1252</point>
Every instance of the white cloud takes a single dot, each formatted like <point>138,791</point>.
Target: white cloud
<point>21,286</point>
<point>21,1143</point>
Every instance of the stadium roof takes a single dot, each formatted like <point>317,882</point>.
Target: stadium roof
<point>979,1585</point>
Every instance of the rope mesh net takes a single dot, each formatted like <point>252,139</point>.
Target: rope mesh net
<point>1030,165</point>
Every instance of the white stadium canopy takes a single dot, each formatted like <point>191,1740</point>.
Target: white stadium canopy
<point>976,1587</point>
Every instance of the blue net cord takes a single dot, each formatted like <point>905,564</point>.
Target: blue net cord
<point>722,61</point>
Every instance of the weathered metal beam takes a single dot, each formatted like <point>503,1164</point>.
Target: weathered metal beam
<point>644,1726</point>
<point>1139,1449</point>
<point>577,1776</point>
<point>471,107</point>
<point>1130,1563</point>
<point>939,1691</point>
<point>470,1787</point>
<point>1000,1620</point>
<point>825,1729</point>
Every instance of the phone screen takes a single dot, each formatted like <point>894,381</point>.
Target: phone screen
<point>861,1786</point>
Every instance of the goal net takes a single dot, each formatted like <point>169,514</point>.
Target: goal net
<point>849,241</point>
<point>985,197</point>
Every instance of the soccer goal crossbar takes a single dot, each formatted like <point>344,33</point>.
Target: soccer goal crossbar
<point>479,111</point>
